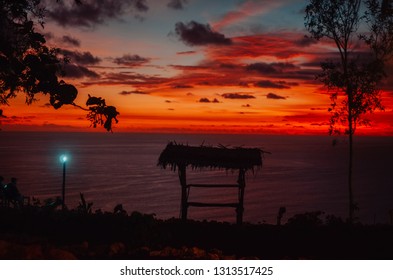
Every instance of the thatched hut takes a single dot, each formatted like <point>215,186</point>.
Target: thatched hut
<point>179,157</point>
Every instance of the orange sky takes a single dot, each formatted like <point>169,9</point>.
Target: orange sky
<point>252,72</point>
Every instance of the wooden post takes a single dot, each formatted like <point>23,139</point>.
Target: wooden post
<point>184,193</point>
<point>242,184</point>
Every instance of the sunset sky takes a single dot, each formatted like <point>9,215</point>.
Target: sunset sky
<point>225,66</point>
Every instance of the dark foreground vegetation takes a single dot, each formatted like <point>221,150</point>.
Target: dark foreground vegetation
<point>37,232</point>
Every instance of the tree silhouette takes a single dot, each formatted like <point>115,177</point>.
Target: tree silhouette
<point>354,79</point>
<point>29,66</point>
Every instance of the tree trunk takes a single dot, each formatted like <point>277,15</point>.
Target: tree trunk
<point>350,191</point>
<point>184,194</point>
<point>349,93</point>
<point>350,155</point>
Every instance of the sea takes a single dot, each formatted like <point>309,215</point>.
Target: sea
<point>301,173</point>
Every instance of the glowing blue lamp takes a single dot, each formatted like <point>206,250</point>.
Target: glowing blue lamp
<point>63,159</point>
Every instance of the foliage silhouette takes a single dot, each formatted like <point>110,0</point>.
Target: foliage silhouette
<point>354,80</point>
<point>84,207</point>
<point>106,235</point>
<point>28,65</point>
<point>308,219</point>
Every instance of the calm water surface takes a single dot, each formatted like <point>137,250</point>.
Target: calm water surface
<point>302,173</point>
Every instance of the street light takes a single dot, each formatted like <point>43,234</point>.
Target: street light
<point>63,159</point>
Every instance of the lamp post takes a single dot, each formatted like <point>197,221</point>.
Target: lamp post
<point>63,159</point>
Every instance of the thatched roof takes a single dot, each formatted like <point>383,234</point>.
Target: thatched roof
<point>176,155</point>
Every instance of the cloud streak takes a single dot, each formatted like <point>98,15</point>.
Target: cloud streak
<point>207,100</point>
<point>305,41</point>
<point>275,84</point>
<point>71,41</point>
<point>275,96</point>
<point>78,71</point>
<point>125,92</point>
<point>271,68</point>
<point>237,96</point>
<point>132,79</point>
<point>131,60</point>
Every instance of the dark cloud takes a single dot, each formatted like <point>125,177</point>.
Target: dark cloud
<point>207,100</point>
<point>177,4</point>
<point>298,126</point>
<point>274,84</point>
<point>275,96</point>
<point>237,96</point>
<point>181,86</point>
<point>186,53</point>
<point>246,106</point>
<point>245,113</point>
<point>271,68</point>
<point>78,71</point>
<point>71,41</point>
<point>85,58</point>
<point>197,34</point>
<point>190,67</point>
<point>25,118</point>
<point>65,40</point>
<point>141,5</point>
<point>131,60</point>
<point>91,12</point>
<point>305,41</point>
<point>282,70</point>
<point>16,120</point>
<point>263,68</point>
<point>125,92</point>
<point>228,66</point>
<point>319,124</point>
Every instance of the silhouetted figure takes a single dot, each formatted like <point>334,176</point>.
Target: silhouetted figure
<point>2,194</point>
<point>2,184</point>
<point>281,213</point>
<point>12,194</point>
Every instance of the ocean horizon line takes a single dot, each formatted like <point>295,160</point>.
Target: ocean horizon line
<point>196,133</point>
